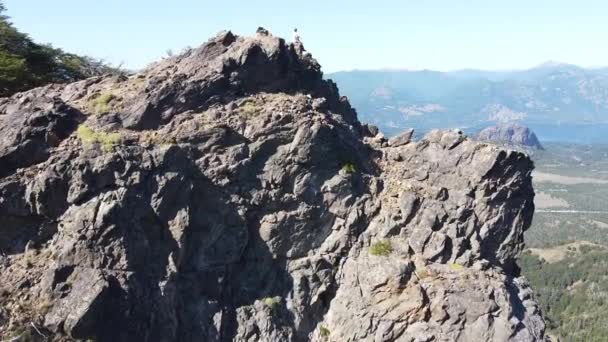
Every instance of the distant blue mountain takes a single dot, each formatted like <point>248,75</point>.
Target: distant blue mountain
<point>560,102</point>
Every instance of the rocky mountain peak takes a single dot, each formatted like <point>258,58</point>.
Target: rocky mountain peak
<point>223,69</point>
<point>230,194</point>
<point>511,134</point>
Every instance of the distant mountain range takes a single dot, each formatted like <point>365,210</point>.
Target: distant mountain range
<point>560,102</point>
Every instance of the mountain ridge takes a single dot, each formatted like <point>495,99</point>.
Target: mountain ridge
<point>541,65</point>
<point>231,194</point>
<point>564,98</point>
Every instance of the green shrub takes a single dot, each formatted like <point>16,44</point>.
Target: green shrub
<point>381,248</point>
<point>572,293</point>
<point>349,168</point>
<point>324,332</point>
<point>101,104</point>
<point>12,71</point>
<point>89,136</point>
<point>25,64</point>
<point>272,302</point>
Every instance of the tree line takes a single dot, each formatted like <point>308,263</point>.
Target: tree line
<point>25,64</point>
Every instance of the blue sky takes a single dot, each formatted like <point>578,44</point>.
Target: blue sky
<point>342,35</point>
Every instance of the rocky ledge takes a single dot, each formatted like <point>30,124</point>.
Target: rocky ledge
<point>231,194</point>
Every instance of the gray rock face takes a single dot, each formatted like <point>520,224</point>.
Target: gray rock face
<point>453,213</point>
<point>511,135</point>
<point>230,194</point>
<point>31,127</point>
<point>401,139</point>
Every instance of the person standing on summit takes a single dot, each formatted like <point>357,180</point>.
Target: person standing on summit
<point>296,36</point>
<point>297,43</point>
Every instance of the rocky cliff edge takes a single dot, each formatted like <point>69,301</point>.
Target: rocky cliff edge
<point>230,194</point>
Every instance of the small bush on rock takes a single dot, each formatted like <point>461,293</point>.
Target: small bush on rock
<point>101,104</point>
<point>272,302</point>
<point>324,332</point>
<point>349,168</point>
<point>89,136</point>
<point>381,248</point>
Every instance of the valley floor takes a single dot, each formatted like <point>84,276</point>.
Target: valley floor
<point>567,256</point>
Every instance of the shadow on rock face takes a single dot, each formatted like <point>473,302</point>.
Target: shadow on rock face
<point>243,201</point>
<point>177,257</point>
<point>30,131</point>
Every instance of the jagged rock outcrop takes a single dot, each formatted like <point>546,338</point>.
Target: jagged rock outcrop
<point>511,135</point>
<point>230,194</point>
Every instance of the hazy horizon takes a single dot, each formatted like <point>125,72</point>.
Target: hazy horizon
<point>406,35</point>
<point>537,65</point>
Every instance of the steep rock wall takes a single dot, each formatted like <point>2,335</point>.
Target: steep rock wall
<point>230,193</point>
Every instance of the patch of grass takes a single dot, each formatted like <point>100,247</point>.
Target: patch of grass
<point>44,305</point>
<point>153,138</point>
<point>324,332</point>
<point>248,107</point>
<point>28,258</point>
<point>89,136</point>
<point>349,168</point>
<point>455,267</point>
<point>381,248</point>
<point>101,104</point>
<point>27,261</point>
<point>138,82</point>
<point>272,302</point>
